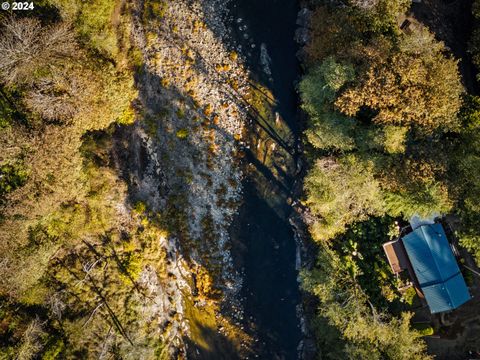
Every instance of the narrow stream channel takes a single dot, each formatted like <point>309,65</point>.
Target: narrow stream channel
<point>265,29</point>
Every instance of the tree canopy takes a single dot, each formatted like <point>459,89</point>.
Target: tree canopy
<point>387,114</point>
<point>413,83</point>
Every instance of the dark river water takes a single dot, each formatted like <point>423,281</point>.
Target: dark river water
<point>265,29</point>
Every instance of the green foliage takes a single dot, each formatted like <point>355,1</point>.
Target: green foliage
<point>93,19</point>
<point>422,200</point>
<point>386,127</point>
<point>409,295</point>
<point>465,176</point>
<point>379,16</point>
<point>182,133</point>
<point>59,193</point>
<point>394,138</point>
<point>79,93</point>
<point>127,117</point>
<point>366,333</point>
<point>6,111</point>
<point>95,23</point>
<point>156,9</point>
<point>66,246</point>
<point>467,233</point>
<point>341,192</point>
<point>424,329</point>
<point>361,247</point>
<point>413,85</point>
<point>60,228</point>
<point>413,186</point>
<point>470,112</point>
<point>321,84</point>
<point>331,131</point>
<point>399,82</point>
<point>140,207</point>
<point>328,129</point>
<point>12,176</point>
<point>54,351</point>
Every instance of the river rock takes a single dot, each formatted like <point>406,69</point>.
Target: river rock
<point>303,17</point>
<point>302,35</point>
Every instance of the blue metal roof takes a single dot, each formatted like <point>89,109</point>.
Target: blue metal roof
<point>436,269</point>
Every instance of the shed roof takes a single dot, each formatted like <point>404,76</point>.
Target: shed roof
<point>396,256</point>
<point>435,267</point>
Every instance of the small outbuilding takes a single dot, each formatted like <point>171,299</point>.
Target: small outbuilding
<point>396,256</point>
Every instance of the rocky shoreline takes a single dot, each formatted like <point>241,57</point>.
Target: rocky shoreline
<point>183,158</point>
<point>300,217</point>
<point>184,161</point>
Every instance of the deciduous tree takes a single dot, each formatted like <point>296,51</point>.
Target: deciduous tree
<point>415,84</point>
<point>26,47</point>
<point>340,192</point>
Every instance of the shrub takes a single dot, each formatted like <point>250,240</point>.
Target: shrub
<point>182,133</point>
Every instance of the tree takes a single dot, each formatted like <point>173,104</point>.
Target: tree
<point>319,87</point>
<point>365,332</point>
<point>394,138</point>
<point>331,131</point>
<point>71,93</point>
<point>424,201</point>
<point>328,129</point>
<point>413,185</point>
<point>336,30</point>
<point>54,98</point>
<point>332,32</point>
<point>97,23</point>
<point>381,16</point>
<point>464,177</point>
<point>31,342</point>
<point>340,192</point>
<point>26,48</point>
<point>414,85</point>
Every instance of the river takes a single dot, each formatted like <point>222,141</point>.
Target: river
<point>265,29</point>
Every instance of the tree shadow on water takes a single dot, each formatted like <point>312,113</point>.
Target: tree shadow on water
<point>210,344</point>
<point>270,288</point>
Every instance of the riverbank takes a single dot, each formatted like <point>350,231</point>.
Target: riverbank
<point>182,161</point>
<point>217,142</point>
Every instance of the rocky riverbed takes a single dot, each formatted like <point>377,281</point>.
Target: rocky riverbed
<point>183,162</point>
<point>202,115</point>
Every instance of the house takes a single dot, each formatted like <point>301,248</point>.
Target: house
<point>426,254</point>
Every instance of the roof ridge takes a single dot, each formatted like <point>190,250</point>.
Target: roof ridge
<point>440,282</point>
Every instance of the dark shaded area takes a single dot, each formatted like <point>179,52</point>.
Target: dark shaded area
<point>272,23</point>
<point>48,14</point>
<point>15,318</point>
<point>264,238</point>
<point>280,188</point>
<point>270,290</point>
<point>452,22</point>
<point>219,346</point>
